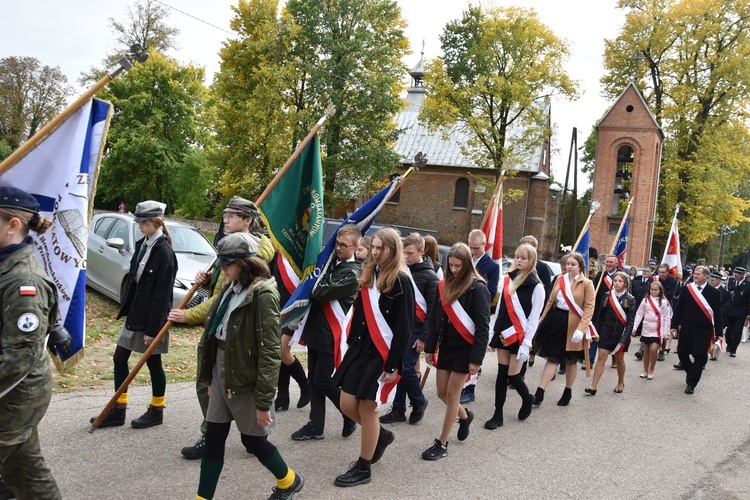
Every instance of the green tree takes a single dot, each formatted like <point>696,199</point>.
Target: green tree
<point>161,115</point>
<point>30,96</point>
<point>696,84</point>
<point>498,67</point>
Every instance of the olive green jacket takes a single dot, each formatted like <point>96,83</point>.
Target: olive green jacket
<point>252,351</point>
<point>24,325</point>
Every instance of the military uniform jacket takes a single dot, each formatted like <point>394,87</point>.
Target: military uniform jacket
<point>148,302</point>
<point>340,283</point>
<point>696,330</point>
<point>252,349</point>
<point>739,304</point>
<point>26,319</point>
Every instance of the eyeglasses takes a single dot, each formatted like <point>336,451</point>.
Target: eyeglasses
<point>231,216</point>
<point>344,246</point>
<point>477,248</point>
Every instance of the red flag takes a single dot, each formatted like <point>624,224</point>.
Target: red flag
<point>493,225</point>
<point>672,252</point>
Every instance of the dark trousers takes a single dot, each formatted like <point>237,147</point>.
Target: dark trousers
<point>319,371</point>
<point>734,332</point>
<point>409,382</point>
<point>693,367</point>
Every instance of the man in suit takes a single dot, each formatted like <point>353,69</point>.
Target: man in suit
<point>738,310</point>
<point>697,315</point>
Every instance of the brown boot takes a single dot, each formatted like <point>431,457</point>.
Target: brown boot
<point>154,416</point>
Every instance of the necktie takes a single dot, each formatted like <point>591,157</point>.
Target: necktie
<point>141,254</point>
<point>220,314</point>
<point>699,288</point>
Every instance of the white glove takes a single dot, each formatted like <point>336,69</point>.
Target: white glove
<point>523,353</point>
<point>577,336</point>
<point>588,334</point>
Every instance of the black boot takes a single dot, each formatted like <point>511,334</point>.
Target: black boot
<point>115,417</point>
<point>501,391</point>
<point>385,438</point>
<point>154,416</point>
<point>565,399</point>
<point>358,473</point>
<point>538,397</point>
<point>299,376</point>
<point>520,386</point>
<point>282,396</point>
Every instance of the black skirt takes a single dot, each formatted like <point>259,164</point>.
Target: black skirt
<point>551,335</point>
<point>454,357</point>
<point>360,370</point>
<point>609,342</point>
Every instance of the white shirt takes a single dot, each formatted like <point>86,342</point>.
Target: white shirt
<point>149,245</point>
<point>559,299</point>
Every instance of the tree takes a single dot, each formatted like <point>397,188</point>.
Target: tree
<point>498,67</point>
<point>161,116</point>
<point>696,84</point>
<point>30,96</point>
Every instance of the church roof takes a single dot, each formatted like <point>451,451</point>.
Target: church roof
<point>642,101</point>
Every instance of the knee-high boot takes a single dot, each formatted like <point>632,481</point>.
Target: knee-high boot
<point>282,397</point>
<point>299,376</point>
<point>501,391</point>
<point>520,386</point>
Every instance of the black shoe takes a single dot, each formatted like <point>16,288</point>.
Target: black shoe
<point>349,427</point>
<point>732,355</point>
<point>308,431</point>
<point>639,355</point>
<point>304,395</point>
<point>437,451</point>
<point>496,420</point>
<point>114,418</point>
<point>538,397</point>
<point>466,398</point>
<point>678,366</point>
<point>565,399</point>
<point>286,493</point>
<point>5,492</point>
<point>282,402</point>
<point>154,416</point>
<point>689,389</point>
<point>385,438</point>
<point>590,391</point>
<point>357,474</point>
<point>525,410</point>
<point>417,413</point>
<point>660,356</point>
<point>393,416</point>
<point>196,451</point>
<point>561,370</point>
<point>463,425</point>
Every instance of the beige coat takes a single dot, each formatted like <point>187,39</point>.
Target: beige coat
<point>585,297</point>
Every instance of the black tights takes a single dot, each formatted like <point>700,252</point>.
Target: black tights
<point>216,438</point>
<point>122,355</point>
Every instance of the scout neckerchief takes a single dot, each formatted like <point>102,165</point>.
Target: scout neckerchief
<point>460,319</point>
<point>420,300</point>
<point>614,302</point>
<point>288,276</point>
<point>382,336</point>
<point>703,304</point>
<point>515,332</point>
<point>574,308</point>
<point>658,316</point>
<point>220,312</point>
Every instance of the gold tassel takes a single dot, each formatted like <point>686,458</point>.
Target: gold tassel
<point>63,366</point>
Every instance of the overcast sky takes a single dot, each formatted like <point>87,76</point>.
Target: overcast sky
<point>74,35</point>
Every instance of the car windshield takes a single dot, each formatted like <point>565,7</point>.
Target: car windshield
<point>188,240</point>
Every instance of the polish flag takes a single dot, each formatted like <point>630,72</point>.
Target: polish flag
<point>493,224</point>
<point>672,252</point>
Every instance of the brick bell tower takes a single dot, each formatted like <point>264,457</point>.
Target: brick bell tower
<point>628,158</point>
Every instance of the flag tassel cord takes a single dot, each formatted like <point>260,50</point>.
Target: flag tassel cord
<point>123,64</point>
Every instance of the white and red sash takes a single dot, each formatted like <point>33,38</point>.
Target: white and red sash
<point>658,316</point>
<point>515,332</point>
<point>608,281</point>
<point>288,277</point>
<point>460,319</point>
<point>339,321</point>
<point>382,336</point>
<point>703,304</point>
<point>420,300</point>
<point>574,308</point>
<point>617,308</point>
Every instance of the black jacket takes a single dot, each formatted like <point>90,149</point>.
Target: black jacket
<point>639,288</point>
<point>696,330</point>
<point>476,303</point>
<point>608,324</point>
<point>148,302</point>
<point>739,305</point>
<point>426,279</point>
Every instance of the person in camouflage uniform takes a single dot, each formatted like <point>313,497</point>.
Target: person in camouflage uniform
<point>29,304</point>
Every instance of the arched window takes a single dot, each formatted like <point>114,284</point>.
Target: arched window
<point>623,174</point>
<point>461,196</point>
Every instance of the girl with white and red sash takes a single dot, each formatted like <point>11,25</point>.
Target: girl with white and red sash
<point>614,324</point>
<point>654,314</point>
<point>378,337</point>
<point>458,323</point>
<point>516,318</point>
<point>565,321</point>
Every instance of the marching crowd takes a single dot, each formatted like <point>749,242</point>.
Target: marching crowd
<point>380,303</point>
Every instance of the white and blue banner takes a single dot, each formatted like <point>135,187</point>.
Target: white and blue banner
<point>60,173</point>
<point>583,249</point>
<point>363,217</point>
<point>621,248</point>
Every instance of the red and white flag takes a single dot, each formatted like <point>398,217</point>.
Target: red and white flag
<point>672,252</point>
<point>493,224</point>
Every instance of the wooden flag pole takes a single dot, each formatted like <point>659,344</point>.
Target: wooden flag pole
<point>123,64</point>
<point>329,112</point>
<point>594,207</point>
<point>614,245</point>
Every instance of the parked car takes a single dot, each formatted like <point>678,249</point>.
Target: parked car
<point>111,243</point>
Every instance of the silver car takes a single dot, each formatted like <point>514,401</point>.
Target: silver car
<point>111,242</point>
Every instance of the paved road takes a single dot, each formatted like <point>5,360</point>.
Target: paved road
<point>651,441</point>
